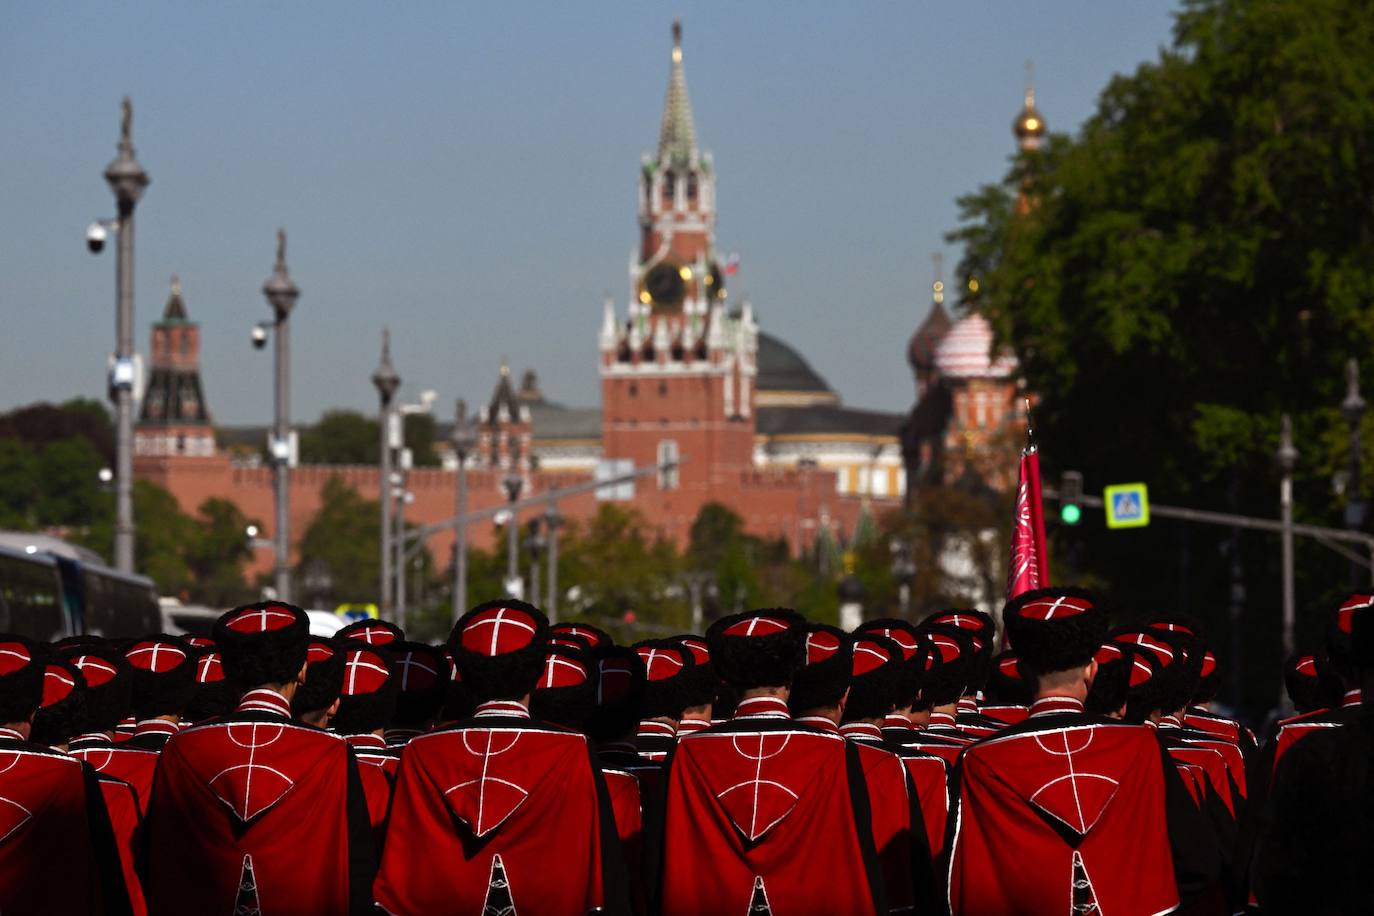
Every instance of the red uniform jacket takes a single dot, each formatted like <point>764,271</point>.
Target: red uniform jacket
<point>619,760</point>
<point>121,804</point>
<point>377,766</point>
<point>1293,730</point>
<point>762,811</point>
<point>1050,811</point>
<point>121,760</point>
<point>499,813</point>
<point>57,850</point>
<point>256,812</point>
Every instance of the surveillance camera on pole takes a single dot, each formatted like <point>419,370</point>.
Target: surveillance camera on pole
<point>98,233</point>
<point>259,334</point>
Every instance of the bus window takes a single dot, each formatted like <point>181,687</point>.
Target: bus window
<point>30,600</point>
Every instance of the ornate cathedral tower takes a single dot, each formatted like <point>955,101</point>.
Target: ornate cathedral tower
<point>174,421</point>
<point>677,373</point>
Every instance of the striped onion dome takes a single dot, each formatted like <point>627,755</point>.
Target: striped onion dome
<point>966,351</point>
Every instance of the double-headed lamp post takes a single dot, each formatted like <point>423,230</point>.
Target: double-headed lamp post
<point>127,180</point>
<point>464,440</point>
<point>1353,408</point>
<point>387,383</point>
<point>281,295</point>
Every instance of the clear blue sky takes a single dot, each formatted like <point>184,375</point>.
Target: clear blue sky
<point>465,174</point>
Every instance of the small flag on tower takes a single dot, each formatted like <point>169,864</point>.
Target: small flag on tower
<point>1029,560</point>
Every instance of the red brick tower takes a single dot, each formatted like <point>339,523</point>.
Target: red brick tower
<point>174,421</point>
<point>677,375</point>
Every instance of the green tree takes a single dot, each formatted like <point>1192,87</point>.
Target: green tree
<point>344,537</point>
<point>618,564</point>
<point>18,484</point>
<point>216,554</point>
<point>68,482</point>
<point>341,437</point>
<point>1196,261</point>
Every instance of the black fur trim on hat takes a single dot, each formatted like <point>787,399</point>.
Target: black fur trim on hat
<point>616,718</point>
<point>351,631</point>
<point>747,662</point>
<point>1008,689</point>
<point>1109,689</point>
<point>272,657</point>
<point>1143,700</point>
<point>323,679</point>
<point>599,639</point>
<point>163,693</point>
<point>1178,681</point>
<point>912,678</point>
<point>821,684</point>
<point>1362,641</point>
<point>503,677</point>
<point>1048,646</point>
<point>945,681</point>
<point>875,693</point>
<point>59,722</point>
<point>1320,690</point>
<point>701,683</point>
<point>418,707</point>
<point>109,703</point>
<point>458,701</point>
<point>569,707</point>
<point>727,698</point>
<point>21,691</point>
<point>668,697</point>
<point>980,665</point>
<point>364,713</point>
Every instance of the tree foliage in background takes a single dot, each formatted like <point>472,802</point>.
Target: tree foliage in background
<point>349,437</point>
<point>1198,260</point>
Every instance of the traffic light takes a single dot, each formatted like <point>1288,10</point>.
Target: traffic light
<point>1070,497</point>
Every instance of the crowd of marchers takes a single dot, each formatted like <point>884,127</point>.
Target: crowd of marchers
<point>771,766</point>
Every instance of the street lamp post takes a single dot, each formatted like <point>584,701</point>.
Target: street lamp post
<point>552,522</point>
<point>903,568</point>
<point>464,440</point>
<point>400,476</point>
<point>535,543</point>
<point>513,484</point>
<point>1353,408</point>
<point>281,295</point>
<point>387,382</point>
<point>1288,459</point>
<point>127,180</point>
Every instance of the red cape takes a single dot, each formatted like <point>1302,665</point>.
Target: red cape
<point>57,850</point>
<point>1048,815</point>
<point>133,765</point>
<point>764,809</point>
<point>121,803</point>
<point>516,812</point>
<point>255,810</point>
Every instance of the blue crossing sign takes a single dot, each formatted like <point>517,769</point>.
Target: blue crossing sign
<point>1128,505</point>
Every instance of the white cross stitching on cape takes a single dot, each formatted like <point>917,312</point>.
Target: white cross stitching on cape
<point>250,788</point>
<point>12,814</point>
<point>757,805</point>
<point>495,798</point>
<point>1077,798</point>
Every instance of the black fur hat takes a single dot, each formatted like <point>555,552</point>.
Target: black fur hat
<point>1362,642</point>
<point>1179,678</point>
<point>215,695</point>
<point>109,684</point>
<point>22,664</point>
<point>876,673</point>
<point>372,632</point>
<point>1006,685</point>
<point>263,643</point>
<point>982,632</point>
<point>368,692</point>
<point>915,654</point>
<point>1311,683</point>
<point>1054,629</point>
<point>422,676</point>
<point>701,684</point>
<point>666,664</point>
<point>762,648</point>
<point>163,670</point>
<point>63,709</point>
<point>948,653</point>
<point>591,637</point>
<point>1144,691</point>
<point>566,692</point>
<point>1109,688</point>
<point>324,674</point>
<point>499,648</point>
<point>458,701</point>
<point>619,694</point>
<point>822,681</point>
<point>1339,644</point>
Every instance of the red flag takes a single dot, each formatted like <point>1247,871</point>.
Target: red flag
<point>1030,563</point>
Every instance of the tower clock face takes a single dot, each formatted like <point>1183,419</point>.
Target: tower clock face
<point>665,285</point>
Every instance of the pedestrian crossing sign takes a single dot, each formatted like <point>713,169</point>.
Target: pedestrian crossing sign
<point>1128,505</point>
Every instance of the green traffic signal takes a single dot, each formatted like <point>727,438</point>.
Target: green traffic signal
<point>1070,513</point>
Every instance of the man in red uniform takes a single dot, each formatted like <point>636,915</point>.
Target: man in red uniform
<point>255,812</point>
<point>754,804</point>
<point>1008,694</point>
<point>214,695</point>
<point>499,813</point>
<point>317,699</point>
<point>701,686</point>
<point>109,698</point>
<point>668,667</point>
<point>979,644</point>
<point>422,676</point>
<point>367,698</point>
<point>1070,812</point>
<point>164,675</point>
<point>57,851</point>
